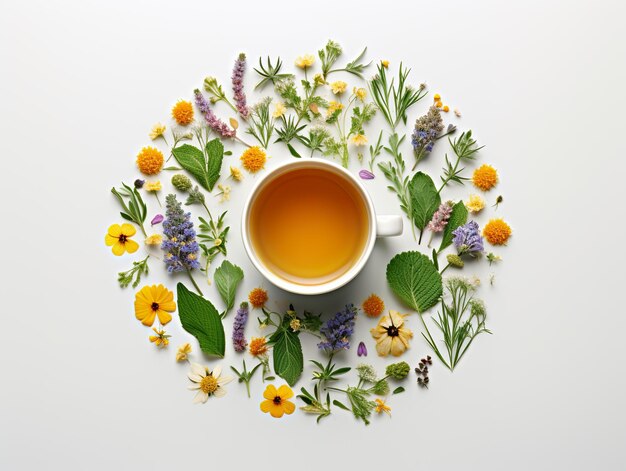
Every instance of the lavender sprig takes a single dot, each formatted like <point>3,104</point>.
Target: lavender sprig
<point>440,219</point>
<point>239,340</point>
<point>467,239</point>
<point>338,329</point>
<point>424,136</point>
<point>217,125</point>
<point>237,80</point>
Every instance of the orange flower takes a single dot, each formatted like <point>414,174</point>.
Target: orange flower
<point>373,306</point>
<point>150,161</point>
<point>258,346</point>
<point>497,232</point>
<point>182,112</point>
<point>485,177</point>
<point>258,297</point>
<point>253,159</point>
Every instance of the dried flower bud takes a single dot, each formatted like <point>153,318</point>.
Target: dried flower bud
<point>181,182</point>
<point>455,261</point>
<point>139,183</point>
<point>157,219</point>
<point>366,175</point>
<point>398,370</point>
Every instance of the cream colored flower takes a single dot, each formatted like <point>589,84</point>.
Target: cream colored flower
<point>224,192</point>
<point>305,61</point>
<point>360,93</point>
<point>206,382</point>
<point>333,106</point>
<point>279,109</point>
<point>236,174</point>
<point>157,131</point>
<point>475,203</point>
<point>154,239</point>
<point>391,335</point>
<point>183,352</point>
<point>338,87</point>
<point>359,140</point>
<point>153,186</point>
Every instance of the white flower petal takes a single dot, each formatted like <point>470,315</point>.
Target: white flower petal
<point>193,377</point>
<point>194,386</point>
<point>217,371</point>
<point>224,380</point>
<point>198,369</point>
<point>219,392</point>
<point>201,396</point>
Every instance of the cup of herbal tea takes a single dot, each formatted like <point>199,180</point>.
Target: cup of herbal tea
<point>309,226</point>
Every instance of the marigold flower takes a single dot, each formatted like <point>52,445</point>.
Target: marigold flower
<point>305,61</point>
<point>161,339</point>
<point>373,306</point>
<point>359,140</point>
<point>258,346</point>
<point>183,352</point>
<point>475,203</point>
<point>485,177</point>
<point>279,109</point>
<point>338,87</point>
<point>382,407</point>
<point>154,239</point>
<point>253,159</point>
<point>497,232</point>
<point>236,174</point>
<point>157,131</point>
<point>150,160</point>
<point>258,297</point>
<point>154,301</point>
<point>182,112</point>
<point>276,401</point>
<point>391,335</point>
<point>118,238</point>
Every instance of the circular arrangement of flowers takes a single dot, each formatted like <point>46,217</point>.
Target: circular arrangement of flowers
<point>323,107</point>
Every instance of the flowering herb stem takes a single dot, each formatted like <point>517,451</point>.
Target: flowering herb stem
<point>245,376</point>
<point>465,149</point>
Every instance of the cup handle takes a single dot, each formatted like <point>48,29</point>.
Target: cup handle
<point>388,226</point>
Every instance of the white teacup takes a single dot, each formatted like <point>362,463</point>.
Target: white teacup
<point>378,226</point>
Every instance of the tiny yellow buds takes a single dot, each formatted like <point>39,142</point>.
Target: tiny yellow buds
<point>438,104</point>
<point>446,108</point>
<point>437,97</point>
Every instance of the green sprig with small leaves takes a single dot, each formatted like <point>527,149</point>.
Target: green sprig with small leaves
<point>212,236</point>
<point>133,207</point>
<point>138,270</point>
<point>465,149</point>
<point>322,375</point>
<point>270,72</point>
<point>244,376</point>
<point>261,122</point>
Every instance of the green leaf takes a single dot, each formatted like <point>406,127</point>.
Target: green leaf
<point>293,151</point>
<point>200,318</point>
<point>340,405</point>
<point>215,154</point>
<point>435,259</point>
<point>424,199</point>
<point>288,360</point>
<point>398,390</point>
<point>227,278</point>
<point>458,217</point>
<point>192,159</point>
<point>415,280</point>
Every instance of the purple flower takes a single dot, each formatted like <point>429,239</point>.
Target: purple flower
<point>440,218</point>
<point>220,127</point>
<point>361,350</point>
<point>157,219</point>
<point>139,183</point>
<point>366,175</point>
<point>239,340</point>
<point>237,79</point>
<point>427,128</point>
<point>467,239</point>
<point>338,329</point>
<point>180,246</point>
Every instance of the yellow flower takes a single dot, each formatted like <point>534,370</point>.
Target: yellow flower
<point>373,306</point>
<point>253,159</point>
<point>279,109</point>
<point>119,237</point>
<point>385,64</point>
<point>294,324</point>
<point>360,93</point>
<point>153,186</point>
<point>258,346</point>
<point>333,106</point>
<point>236,174</point>
<point>154,239</point>
<point>305,61</point>
<point>446,108</point>
<point>475,203</point>
<point>161,339</point>
<point>258,297</point>
<point>318,79</point>
<point>276,401</point>
<point>338,87</point>
<point>485,177</point>
<point>382,407</point>
<point>183,352</point>
<point>359,140</point>
<point>436,97</point>
<point>206,382</point>
<point>182,112</point>
<point>224,192</point>
<point>150,161</point>
<point>497,232</point>
<point>157,131</point>
<point>438,104</point>
<point>391,335</point>
<point>153,301</point>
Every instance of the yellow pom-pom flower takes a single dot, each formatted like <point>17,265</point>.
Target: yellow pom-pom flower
<point>497,232</point>
<point>373,306</point>
<point>485,177</point>
<point>253,159</point>
<point>182,112</point>
<point>150,160</point>
<point>258,297</point>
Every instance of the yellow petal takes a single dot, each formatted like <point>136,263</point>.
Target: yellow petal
<point>128,230</point>
<point>289,407</point>
<point>397,347</point>
<point>149,319</point>
<point>118,248</point>
<point>115,230</point>
<point>285,392</point>
<point>164,317</point>
<point>383,346</point>
<point>270,392</point>
<point>110,240</point>
<point>276,411</point>
<point>266,406</point>
<point>131,246</point>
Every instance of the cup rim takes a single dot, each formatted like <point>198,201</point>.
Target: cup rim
<point>331,285</point>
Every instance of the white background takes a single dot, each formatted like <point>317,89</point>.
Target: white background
<point>540,83</point>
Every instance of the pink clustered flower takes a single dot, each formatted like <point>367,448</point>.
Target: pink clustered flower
<point>220,127</point>
<point>440,218</point>
<point>237,79</point>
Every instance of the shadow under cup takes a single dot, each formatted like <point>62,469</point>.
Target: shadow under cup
<point>309,224</point>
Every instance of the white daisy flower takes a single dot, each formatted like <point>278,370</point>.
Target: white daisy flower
<point>206,382</point>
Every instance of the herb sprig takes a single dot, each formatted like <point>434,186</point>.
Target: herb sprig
<point>465,149</point>
<point>138,270</point>
<point>134,209</point>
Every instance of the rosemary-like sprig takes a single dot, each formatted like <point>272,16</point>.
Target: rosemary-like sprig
<point>465,149</point>
<point>135,209</point>
<point>261,122</point>
<point>375,151</point>
<point>138,270</point>
<point>212,235</point>
<point>270,72</point>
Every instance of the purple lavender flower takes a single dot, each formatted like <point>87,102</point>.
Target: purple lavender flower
<point>237,79</point>
<point>220,127</point>
<point>427,128</point>
<point>467,239</point>
<point>180,246</point>
<point>139,183</point>
<point>338,329</point>
<point>239,340</point>
<point>361,350</point>
<point>366,175</point>
<point>157,219</point>
<point>440,218</point>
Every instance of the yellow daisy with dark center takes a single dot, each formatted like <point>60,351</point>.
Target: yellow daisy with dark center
<point>119,239</point>
<point>154,301</point>
<point>276,401</point>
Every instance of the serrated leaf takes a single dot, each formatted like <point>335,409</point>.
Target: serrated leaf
<point>215,154</point>
<point>424,199</point>
<point>200,318</point>
<point>192,159</point>
<point>227,278</point>
<point>287,351</point>
<point>415,280</point>
<point>458,217</point>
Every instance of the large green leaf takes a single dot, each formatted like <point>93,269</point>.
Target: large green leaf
<point>200,318</point>
<point>227,278</point>
<point>424,199</point>
<point>192,159</point>
<point>287,351</point>
<point>415,280</point>
<point>214,153</point>
<point>458,217</point>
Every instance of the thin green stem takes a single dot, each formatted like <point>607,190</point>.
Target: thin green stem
<point>195,285</point>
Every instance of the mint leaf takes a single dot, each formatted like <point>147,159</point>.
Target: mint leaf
<point>227,278</point>
<point>458,217</point>
<point>288,360</point>
<point>214,153</point>
<point>424,199</point>
<point>200,318</point>
<point>415,280</point>
<point>192,159</point>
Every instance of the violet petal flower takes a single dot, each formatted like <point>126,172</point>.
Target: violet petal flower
<point>239,340</point>
<point>366,175</point>
<point>157,219</point>
<point>361,350</point>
